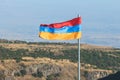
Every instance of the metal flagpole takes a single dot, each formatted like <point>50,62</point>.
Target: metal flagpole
<point>79,58</point>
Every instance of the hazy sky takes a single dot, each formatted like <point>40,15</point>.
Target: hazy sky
<point>20,19</point>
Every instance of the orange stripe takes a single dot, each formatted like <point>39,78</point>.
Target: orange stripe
<point>65,36</point>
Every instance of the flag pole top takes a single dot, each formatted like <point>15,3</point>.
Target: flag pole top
<point>78,15</point>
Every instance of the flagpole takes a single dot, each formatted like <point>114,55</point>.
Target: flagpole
<point>79,58</point>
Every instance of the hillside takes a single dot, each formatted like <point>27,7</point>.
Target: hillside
<point>56,61</point>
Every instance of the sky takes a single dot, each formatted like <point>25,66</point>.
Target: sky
<point>20,19</point>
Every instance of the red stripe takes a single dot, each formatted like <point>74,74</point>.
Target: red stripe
<point>72,22</point>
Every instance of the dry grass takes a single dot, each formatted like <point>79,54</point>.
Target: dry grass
<point>113,55</point>
<point>87,46</point>
<point>29,77</point>
<point>32,47</point>
<point>2,67</point>
<point>10,64</point>
<point>29,61</point>
<point>54,48</point>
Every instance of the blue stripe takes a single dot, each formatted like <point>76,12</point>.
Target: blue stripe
<point>66,29</point>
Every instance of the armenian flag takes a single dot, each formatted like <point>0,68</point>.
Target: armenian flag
<point>66,30</point>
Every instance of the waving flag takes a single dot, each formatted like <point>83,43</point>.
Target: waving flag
<point>67,30</point>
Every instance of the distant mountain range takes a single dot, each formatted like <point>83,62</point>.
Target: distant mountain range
<point>89,38</point>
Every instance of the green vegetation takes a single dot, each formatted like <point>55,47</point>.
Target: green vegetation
<point>102,59</point>
<point>23,72</point>
<point>8,54</point>
<point>53,77</point>
<point>38,74</point>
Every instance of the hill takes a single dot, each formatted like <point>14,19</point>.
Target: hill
<point>56,61</point>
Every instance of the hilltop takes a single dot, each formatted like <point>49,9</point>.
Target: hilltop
<point>56,61</point>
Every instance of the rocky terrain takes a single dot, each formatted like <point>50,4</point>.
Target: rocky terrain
<point>47,69</point>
